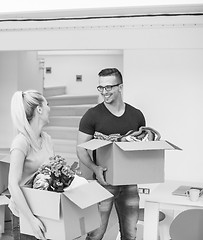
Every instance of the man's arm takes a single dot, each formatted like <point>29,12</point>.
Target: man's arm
<point>85,158</point>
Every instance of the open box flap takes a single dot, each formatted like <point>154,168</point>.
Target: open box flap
<point>43,203</point>
<point>88,194</point>
<point>146,145</point>
<point>173,146</point>
<point>94,144</point>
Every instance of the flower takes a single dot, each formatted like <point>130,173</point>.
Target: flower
<point>55,175</point>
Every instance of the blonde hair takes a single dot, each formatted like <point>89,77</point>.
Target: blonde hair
<point>23,105</point>
<point>31,99</point>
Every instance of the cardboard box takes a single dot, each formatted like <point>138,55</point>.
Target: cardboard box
<point>65,215</point>
<point>4,170</point>
<point>131,162</point>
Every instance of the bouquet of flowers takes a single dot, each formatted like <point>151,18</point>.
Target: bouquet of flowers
<point>55,175</point>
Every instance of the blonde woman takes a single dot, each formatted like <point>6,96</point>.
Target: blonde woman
<point>30,148</point>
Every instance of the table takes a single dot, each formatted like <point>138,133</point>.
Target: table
<point>161,198</point>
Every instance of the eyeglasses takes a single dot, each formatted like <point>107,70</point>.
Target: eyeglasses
<point>107,88</point>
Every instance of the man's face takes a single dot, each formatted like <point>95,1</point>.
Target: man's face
<point>112,94</point>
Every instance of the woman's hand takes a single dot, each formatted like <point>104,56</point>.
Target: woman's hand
<point>99,172</point>
<point>38,228</point>
<point>17,159</point>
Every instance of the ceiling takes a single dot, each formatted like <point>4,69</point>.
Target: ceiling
<point>106,11</point>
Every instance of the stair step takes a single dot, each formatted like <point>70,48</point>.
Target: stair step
<point>65,146</point>
<point>74,110</point>
<point>72,100</point>
<point>54,91</point>
<point>65,121</point>
<point>62,132</point>
<point>4,152</point>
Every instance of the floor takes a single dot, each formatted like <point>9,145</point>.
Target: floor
<point>7,234</point>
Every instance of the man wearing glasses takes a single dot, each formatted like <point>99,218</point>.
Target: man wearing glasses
<point>111,119</point>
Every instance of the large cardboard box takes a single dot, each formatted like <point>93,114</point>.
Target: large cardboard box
<point>4,170</point>
<point>131,162</point>
<point>65,215</point>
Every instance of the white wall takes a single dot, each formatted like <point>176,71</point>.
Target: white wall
<point>166,84</point>
<point>18,71</point>
<point>29,73</point>
<point>66,67</point>
<point>8,84</point>
<point>113,33</point>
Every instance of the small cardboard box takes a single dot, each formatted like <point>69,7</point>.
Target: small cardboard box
<point>131,162</point>
<point>65,215</point>
<point>4,170</point>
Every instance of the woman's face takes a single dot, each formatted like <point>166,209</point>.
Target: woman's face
<point>45,111</point>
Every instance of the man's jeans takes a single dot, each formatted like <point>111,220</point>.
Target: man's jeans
<point>126,200</point>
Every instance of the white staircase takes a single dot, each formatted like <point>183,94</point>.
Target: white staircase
<point>66,112</point>
<point>52,91</point>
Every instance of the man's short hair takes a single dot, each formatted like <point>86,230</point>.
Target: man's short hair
<point>111,72</point>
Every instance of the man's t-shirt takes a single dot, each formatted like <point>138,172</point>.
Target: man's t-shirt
<point>100,119</point>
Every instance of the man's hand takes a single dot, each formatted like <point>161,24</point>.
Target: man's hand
<point>99,172</point>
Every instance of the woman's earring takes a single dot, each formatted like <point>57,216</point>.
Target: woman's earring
<point>39,109</point>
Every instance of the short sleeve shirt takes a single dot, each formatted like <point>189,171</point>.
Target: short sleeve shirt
<point>100,119</point>
<point>33,159</point>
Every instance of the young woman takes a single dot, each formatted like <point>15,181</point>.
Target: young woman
<point>30,148</point>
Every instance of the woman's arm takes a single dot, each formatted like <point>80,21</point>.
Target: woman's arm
<point>15,176</point>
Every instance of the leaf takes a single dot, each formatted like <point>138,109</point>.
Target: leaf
<point>74,166</point>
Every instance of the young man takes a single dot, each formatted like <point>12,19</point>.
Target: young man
<point>111,118</point>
